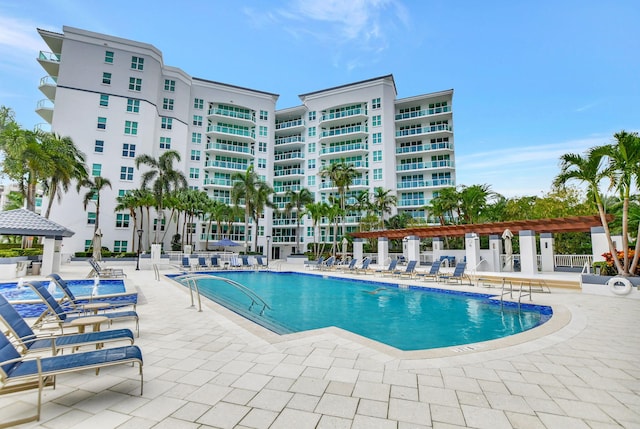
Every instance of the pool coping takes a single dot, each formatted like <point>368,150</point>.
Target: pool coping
<point>539,336</point>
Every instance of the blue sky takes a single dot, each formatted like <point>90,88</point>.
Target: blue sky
<point>532,80</point>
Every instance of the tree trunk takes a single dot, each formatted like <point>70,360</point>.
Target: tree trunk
<point>607,233</point>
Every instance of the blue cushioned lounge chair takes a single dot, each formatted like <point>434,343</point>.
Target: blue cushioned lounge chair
<point>130,299</point>
<point>458,275</point>
<point>56,314</point>
<point>19,373</point>
<point>28,341</point>
<point>409,271</point>
<point>260,262</point>
<point>364,268</point>
<point>390,270</point>
<point>97,270</point>
<point>433,272</point>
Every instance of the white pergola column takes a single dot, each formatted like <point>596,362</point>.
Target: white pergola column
<point>383,250</point>
<point>495,246</point>
<point>472,250</point>
<point>413,248</point>
<point>437,246</point>
<point>528,253</point>
<point>358,248</point>
<point>547,252</point>
<point>51,248</point>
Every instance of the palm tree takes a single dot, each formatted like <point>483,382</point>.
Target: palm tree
<point>146,200</point>
<point>68,163</point>
<point>163,175</point>
<point>341,175</point>
<point>588,169</point>
<point>259,201</point>
<point>473,199</point>
<point>383,202</point>
<point>129,202</point>
<point>252,192</point>
<point>93,194</point>
<point>334,211</point>
<point>316,211</point>
<point>298,200</point>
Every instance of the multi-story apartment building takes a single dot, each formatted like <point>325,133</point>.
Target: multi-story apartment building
<point>117,99</point>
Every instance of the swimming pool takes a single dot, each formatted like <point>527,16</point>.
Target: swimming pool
<point>412,318</point>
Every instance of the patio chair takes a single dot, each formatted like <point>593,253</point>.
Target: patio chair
<point>433,272</point>
<point>458,275</point>
<point>350,267</point>
<point>130,299</point>
<point>245,261</point>
<point>235,262</point>
<point>326,265</point>
<point>58,315</point>
<point>314,264</point>
<point>202,262</point>
<point>260,262</point>
<point>214,262</point>
<point>409,271</point>
<point>28,341</point>
<point>97,270</point>
<point>364,268</point>
<point>390,269</point>
<point>18,373</point>
<point>186,263</point>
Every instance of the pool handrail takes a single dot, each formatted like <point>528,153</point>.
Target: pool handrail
<point>245,290</point>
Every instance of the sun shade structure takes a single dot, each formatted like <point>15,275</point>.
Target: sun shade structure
<point>556,225</point>
<point>25,222</point>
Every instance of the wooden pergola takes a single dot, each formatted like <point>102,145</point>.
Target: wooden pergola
<point>555,225</point>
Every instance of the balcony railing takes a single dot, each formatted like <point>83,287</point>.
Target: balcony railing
<point>49,80</point>
<point>49,56</point>
<point>288,172</point>
<point>284,222</point>
<point>412,202</point>
<point>424,165</point>
<point>357,164</point>
<point>232,114</point>
<point>230,147</point>
<point>227,164</point>
<point>345,130</point>
<point>343,148</point>
<point>293,188</point>
<point>424,112</point>
<point>289,124</point>
<point>424,183</point>
<point>290,139</point>
<point>218,181</point>
<point>288,155</point>
<point>45,103</point>
<point>344,114</point>
<point>284,239</point>
<point>424,147</point>
<point>423,130</point>
<point>229,130</point>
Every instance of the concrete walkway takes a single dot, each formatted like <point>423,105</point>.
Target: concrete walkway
<point>214,369</point>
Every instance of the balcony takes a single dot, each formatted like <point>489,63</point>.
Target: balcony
<point>347,220</point>
<point>423,113</point>
<point>424,165</point>
<point>48,86</point>
<point>244,134</point>
<point>236,166</point>
<point>358,114</point>
<point>289,172</point>
<point>354,184</point>
<point>424,148</point>
<point>284,222</point>
<point>248,119</point>
<point>283,158</point>
<point>424,130</point>
<point>45,110</point>
<point>287,125</point>
<point>414,202</point>
<point>337,134</point>
<point>50,62</point>
<point>227,183</point>
<point>284,239</point>
<point>358,165</point>
<point>341,149</point>
<point>424,183</point>
<point>230,148</point>
<point>287,188</point>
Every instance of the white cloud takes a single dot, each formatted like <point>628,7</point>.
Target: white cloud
<point>18,37</point>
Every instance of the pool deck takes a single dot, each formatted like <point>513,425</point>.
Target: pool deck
<point>213,369</point>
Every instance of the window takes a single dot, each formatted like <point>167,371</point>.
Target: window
<point>375,103</point>
<point>167,123</point>
<point>91,218</point>
<point>87,245</point>
<point>162,224</point>
<point>131,127</point>
<point>120,246</point>
<point>312,116</point>
<point>167,103</point>
<point>169,85</point>
<point>376,120</point>
<point>106,78</point>
<point>262,163</point>
<point>123,192</point>
<point>104,100</point>
<point>133,105</point>
<point>96,169</point>
<point>377,138</point>
<point>197,120</point>
<point>126,173</point>
<point>195,155</point>
<point>122,220</point>
<point>311,148</point>
<point>102,123</point>
<point>377,174</point>
<point>165,142</point>
<point>194,173</point>
<point>311,163</point>
<point>108,57</point>
<point>312,131</point>
<point>310,231</point>
<point>262,146</point>
<point>198,103</point>
<point>135,84</point>
<point>377,155</point>
<point>196,138</point>
<point>264,115</point>
<point>128,150</point>
<point>99,146</point>
<point>137,63</point>
<point>264,132</point>
<point>311,180</point>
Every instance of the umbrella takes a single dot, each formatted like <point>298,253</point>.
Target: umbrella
<point>225,242</point>
<point>345,242</point>
<point>97,245</point>
<point>508,250</point>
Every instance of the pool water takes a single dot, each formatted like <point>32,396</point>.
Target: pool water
<point>411,318</point>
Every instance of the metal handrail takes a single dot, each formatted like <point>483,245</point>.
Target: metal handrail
<point>193,278</point>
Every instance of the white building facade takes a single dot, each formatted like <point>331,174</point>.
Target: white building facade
<point>116,99</point>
